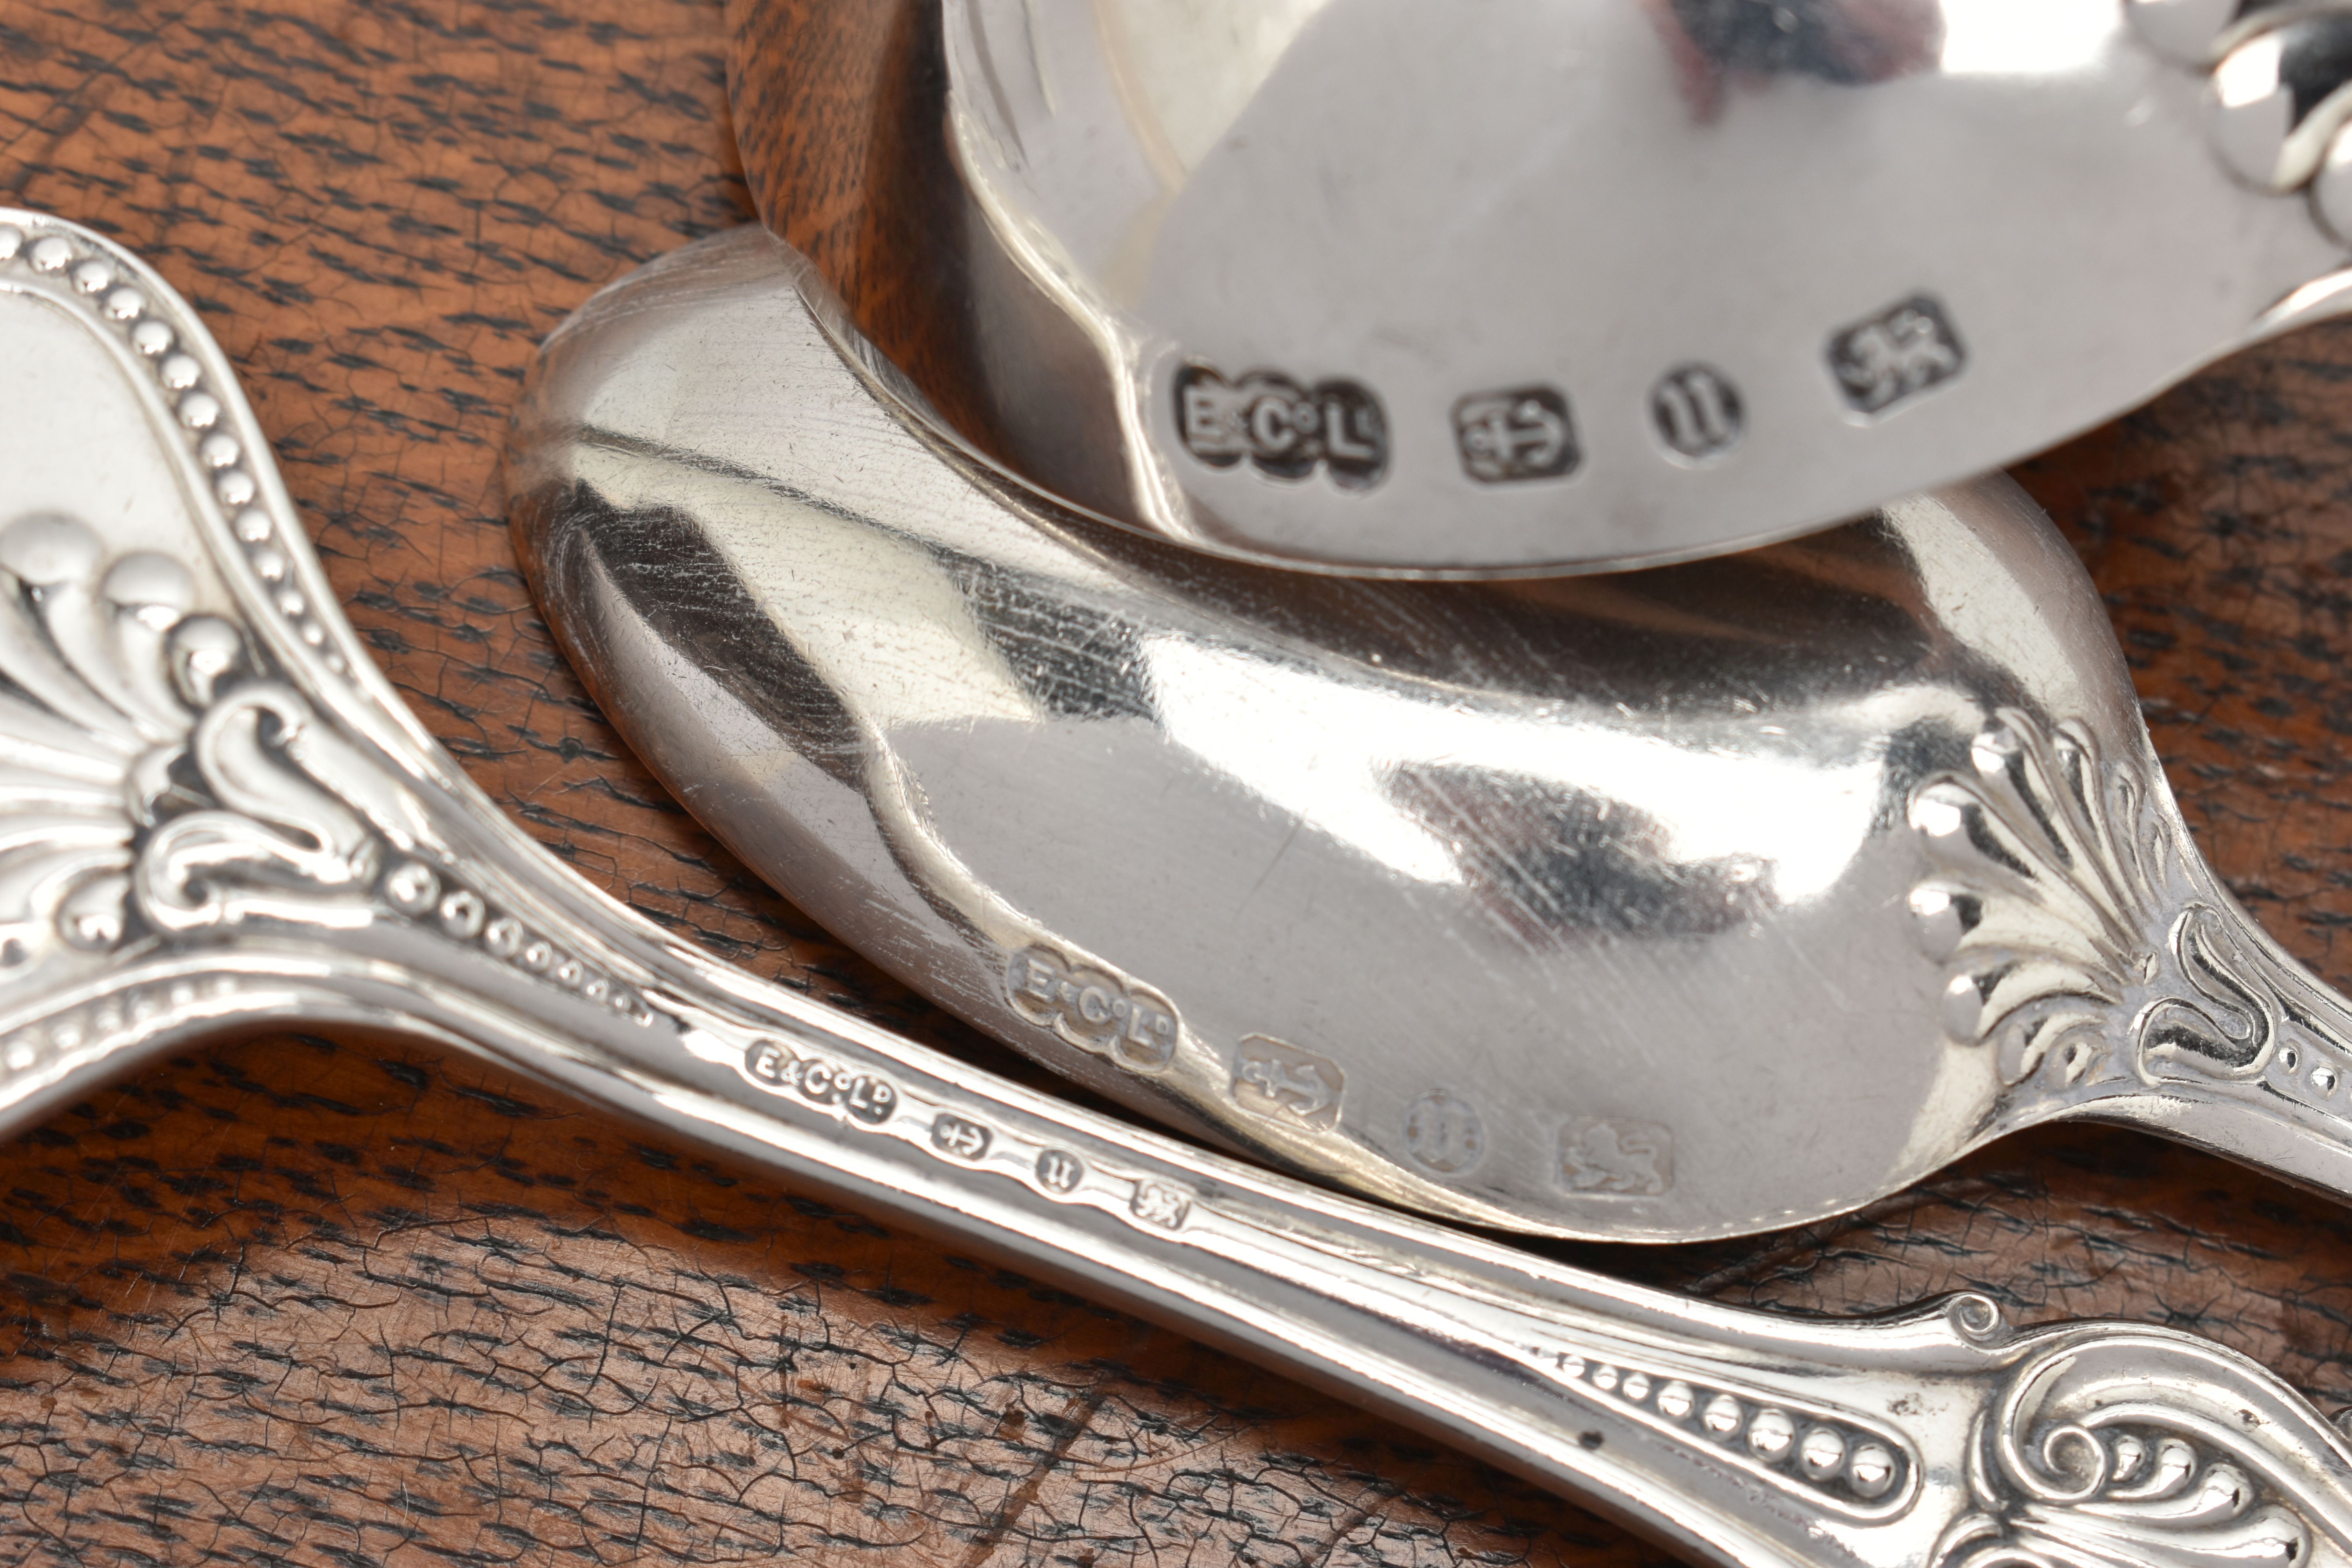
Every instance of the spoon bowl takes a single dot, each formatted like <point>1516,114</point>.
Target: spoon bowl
<point>1383,286</point>
<point>1656,906</point>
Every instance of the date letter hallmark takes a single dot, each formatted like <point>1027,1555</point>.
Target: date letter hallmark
<point>1445,1134</point>
<point>1111,1016</point>
<point>1059,1172</point>
<point>1277,1080</point>
<point>1895,355</point>
<point>1285,430</point>
<point>1698,413</point>
<point>1607,1156</point>
<point>1524,433</point>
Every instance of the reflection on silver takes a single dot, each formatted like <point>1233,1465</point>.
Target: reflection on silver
<point>2280,96</point>
<point>329,862</point>
<point>2023,38</point>
<point>1429,205</point>
<point>1667,905</point>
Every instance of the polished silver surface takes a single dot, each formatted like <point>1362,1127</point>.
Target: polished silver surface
<point>1381,284</point>
<point>2281,94</point>
<point>1669,905</point>
<point>214,812</point>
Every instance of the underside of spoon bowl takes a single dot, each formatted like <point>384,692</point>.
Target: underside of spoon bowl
<point>1379,285</point>
<point>1607,906</point>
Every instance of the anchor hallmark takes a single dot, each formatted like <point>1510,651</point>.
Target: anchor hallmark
<point>1274,1080</point>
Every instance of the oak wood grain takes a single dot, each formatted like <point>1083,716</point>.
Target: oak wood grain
<point>348,1302</point>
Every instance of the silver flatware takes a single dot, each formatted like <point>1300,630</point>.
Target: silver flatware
<point>214,814</point>
<point>1668,905</point>
<point>1378,284</point>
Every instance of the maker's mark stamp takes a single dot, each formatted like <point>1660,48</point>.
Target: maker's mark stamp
<point>1285,430</point>
<point>1895,355</point>
<point>1519,433</point>
<point>1611,1156</point>
<point>1105,1013</point>
<point>1280,1081</point>
<point>866,1097</point>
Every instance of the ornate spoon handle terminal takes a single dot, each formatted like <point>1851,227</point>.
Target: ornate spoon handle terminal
<point>2089,946</point>
<point>212,810</point>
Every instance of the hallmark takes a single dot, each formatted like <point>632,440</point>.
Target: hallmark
<point>1277,1080</point>
<point>959,1136</point>
<point>1523,433</point>
<point>1157,1203</point>
<point>1285,430</point>
<point>1895,355</point>
<point>1610,1156</point>
<point>866,1096</point>
<point>1444,1132</point>
<point>1698,413</point>
<point>1060,1171</point>
<point>1129,1023</point>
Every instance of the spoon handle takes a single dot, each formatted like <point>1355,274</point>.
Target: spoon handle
<point>214,811</point>
<point>2249,1055</point>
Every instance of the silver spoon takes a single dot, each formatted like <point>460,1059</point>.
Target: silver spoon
<point>1387,285</point>
<point>1659,906</point>
<point>215,812</point>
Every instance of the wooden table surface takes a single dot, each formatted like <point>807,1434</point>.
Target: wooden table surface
<point>342,1303</point>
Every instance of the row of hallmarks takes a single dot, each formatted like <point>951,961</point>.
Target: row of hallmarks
<point>1854,1468</point>
<point>871,1101</point>
<point>1851,1466</point>
<point>1598,1156</point>
<point>1091,1006</point>
<point>1288,429</point>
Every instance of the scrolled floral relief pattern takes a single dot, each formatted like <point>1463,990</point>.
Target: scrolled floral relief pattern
<point>154,778</point>
<point>2080,942</point>
<point>156,783</point>
<point>2125,1449</point>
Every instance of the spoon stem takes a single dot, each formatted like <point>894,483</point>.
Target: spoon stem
<point>2281,1098</point>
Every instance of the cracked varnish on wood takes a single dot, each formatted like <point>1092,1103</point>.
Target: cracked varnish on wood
<point>296,1301</point>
